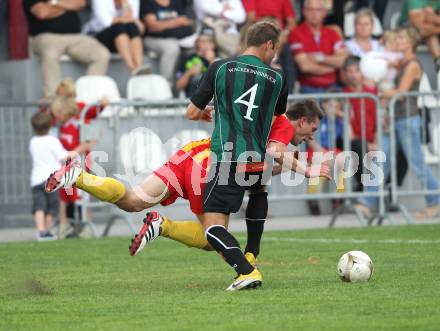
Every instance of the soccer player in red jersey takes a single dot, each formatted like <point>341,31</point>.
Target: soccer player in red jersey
<point>184,176</point>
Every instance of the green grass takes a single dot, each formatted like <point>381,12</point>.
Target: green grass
<point>96,285</point>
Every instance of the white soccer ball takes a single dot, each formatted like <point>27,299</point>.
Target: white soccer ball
<point>355,266</point>
<point>374,67</point>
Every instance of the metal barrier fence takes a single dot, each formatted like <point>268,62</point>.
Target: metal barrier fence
<point>143,136</point>
<point>138,136</point>
<point>15,162</point>
<point>415,129</point>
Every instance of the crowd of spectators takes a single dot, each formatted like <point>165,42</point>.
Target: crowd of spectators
<point>312,53</point>
<point>187,36</point>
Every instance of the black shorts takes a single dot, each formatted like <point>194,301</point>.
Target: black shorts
<point>224,191</point>
<point>107,36</point>
<point>46,202</point>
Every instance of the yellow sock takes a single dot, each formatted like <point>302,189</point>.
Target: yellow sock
<point>189,233</point>
<point>340,187</point>
<point>102,188</point>
<point>314,184</point>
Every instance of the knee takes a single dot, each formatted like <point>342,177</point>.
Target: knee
<point>172,49</point>
<point>102,54</point>
<point>118,29</point>
<point>50,54</point>
<point>132,30</point>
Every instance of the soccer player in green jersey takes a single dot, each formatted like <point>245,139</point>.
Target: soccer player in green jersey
<point>247,94</point>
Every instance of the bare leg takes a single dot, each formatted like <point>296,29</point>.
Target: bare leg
<point>148,194</point>
<point>137,50</point>
<point>39,221</point>
<point>63,213</point>
<point>122,44</point>
<point>48,221</point>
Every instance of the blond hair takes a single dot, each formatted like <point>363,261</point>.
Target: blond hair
<point>69,86</point>
<point>64,106</point>
<point>388,36</point>
<point>365,12</point>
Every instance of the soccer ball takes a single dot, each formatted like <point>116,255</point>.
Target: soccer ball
<point>355,266</point>
<point>374,67</point>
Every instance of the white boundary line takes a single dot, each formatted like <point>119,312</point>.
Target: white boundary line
<point>348,241</point>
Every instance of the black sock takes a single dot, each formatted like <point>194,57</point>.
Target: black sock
<point>225,244</point>
<point>256,213</point>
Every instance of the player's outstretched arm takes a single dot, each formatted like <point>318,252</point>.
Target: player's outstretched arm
<point>289,160</point>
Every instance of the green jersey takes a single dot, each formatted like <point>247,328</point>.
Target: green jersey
<point>410,5</point>
<point>247,94</point>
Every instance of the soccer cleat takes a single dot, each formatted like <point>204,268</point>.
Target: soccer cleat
<point>251,259</point>
<point>64,177</point>
<point>149,231</point>
<point>249,281</point>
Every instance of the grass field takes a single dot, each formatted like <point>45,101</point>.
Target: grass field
<point>96,285</point>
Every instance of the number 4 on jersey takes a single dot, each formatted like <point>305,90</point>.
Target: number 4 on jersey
<point>250,103</point>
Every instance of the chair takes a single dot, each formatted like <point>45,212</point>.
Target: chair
<point>148,87</point>
<point>94,88</point>
<point>426,101</point>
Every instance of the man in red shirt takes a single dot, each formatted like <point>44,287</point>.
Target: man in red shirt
<point>282,11</point>
<point>317,50</point>
<point>363,112</point>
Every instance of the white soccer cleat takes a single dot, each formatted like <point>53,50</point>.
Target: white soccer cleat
<point>149,231</point>
<point>245,282</point>
<point>65,177</point>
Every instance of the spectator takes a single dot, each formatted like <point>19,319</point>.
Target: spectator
<point>363,42</point>
<point>363,113</point>
<point>195,65</point>
<point>330,139</point>
<point>318,50</point>
<point>117,26</point>
<point>379,6</point>
<point>67,112</point>
<point>223,17</point>
<point>424,16</point>
<point>283,12</point>
<point>55,29</point>
<point>166,23</point>
<point>408,126</point>
<point>393,56</point>
<point>47,155</point>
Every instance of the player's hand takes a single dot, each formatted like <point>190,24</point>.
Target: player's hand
<point>322,170</point>
<point>207,114</point>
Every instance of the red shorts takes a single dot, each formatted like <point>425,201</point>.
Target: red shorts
<point>185,177</point>
<point>69,195</point>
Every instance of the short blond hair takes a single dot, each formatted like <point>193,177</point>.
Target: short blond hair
<point>69,85</point>
<point>64,106</point>
<point>388,36</point>
<point>365,12</point>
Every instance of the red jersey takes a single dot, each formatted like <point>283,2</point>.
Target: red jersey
<point>302,40</point>
<point>281,10</point>
<point>185,172</point>
<point>69,131</point>
<point>69,135</point>
<point>369,115</point>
